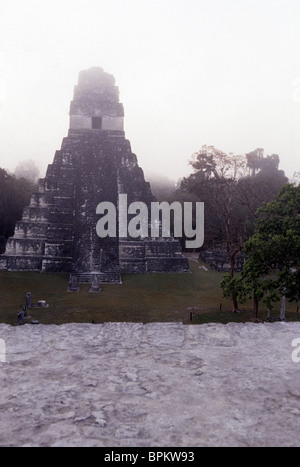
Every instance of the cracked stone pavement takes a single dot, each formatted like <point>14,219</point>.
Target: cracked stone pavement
<point>160,384</point>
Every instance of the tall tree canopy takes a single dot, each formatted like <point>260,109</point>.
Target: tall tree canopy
<point>214,182</point>
<point>27,169</point>
<point>231,198</point>
<point>14,196</point>
<point>272,268</point>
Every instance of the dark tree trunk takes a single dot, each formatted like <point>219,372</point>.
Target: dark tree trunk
<point>235,304</point>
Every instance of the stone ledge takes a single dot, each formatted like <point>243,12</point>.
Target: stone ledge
<point>158,384</point>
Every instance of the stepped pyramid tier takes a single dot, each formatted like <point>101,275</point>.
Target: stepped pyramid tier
<point>57,232</point>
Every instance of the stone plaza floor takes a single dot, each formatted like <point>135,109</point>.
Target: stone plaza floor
<point>129,384</point>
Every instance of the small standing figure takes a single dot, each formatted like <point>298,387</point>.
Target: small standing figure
<point>73,284</point>
<point>21,319</point>
<point>95,284</point>
<point>28,300</point>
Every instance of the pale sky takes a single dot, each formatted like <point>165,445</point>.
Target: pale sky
<point>190,72</point>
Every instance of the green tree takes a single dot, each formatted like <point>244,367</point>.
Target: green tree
<point>231,199</point>
<point>233,288</point>
<point>214,182</point>
<point>272,268</point>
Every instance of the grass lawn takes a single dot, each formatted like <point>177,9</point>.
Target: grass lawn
<point>146,298</point>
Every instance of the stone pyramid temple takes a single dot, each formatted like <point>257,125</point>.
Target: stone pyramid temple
<point>57,232</point>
